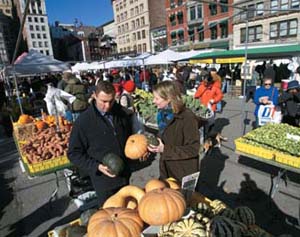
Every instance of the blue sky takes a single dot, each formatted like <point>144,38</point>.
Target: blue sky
<point>89,12</point>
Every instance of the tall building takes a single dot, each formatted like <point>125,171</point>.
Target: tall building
<point>108,45</point>
<point>7,33</point>
<point>36,29</point>
<point>199,25</point>
<point>266,25</point>
<point>134,20</point>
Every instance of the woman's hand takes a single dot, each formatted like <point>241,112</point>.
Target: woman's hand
<point>105,170</point>
<point>157,149</point>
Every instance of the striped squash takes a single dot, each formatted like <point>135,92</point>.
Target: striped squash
<point>166,230</point>
<point>202,219</point>
<point>228,212</point>
<point>245,215</point>
<point>223,227</point>
<point>204,209</point>
<point>189,228</point>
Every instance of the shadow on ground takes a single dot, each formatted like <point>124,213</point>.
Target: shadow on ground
<point>268,215</point>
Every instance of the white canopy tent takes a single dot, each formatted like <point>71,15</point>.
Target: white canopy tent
<point>165,57</point>
<point>35,62</point>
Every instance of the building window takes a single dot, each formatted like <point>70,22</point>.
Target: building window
<point>125,15</point>
<point>133,37</point>
<point>29,19</point>
<point>139,48</point>
<point>180,36</point>
<point>254,34</point>
<point>40,44</point>
<point>47,52</point>
<point>179,2</point>
<point>180,17</point>
<point>172,4</point>
<point>123,29</point>
<point>173,37</point>
<point>138,35</point>
<point>127,39</point>
<point>36,19</point>
<point>38,36</point>
<point>251,11</point>
<point>119,29</point>
<point>118,18</point>
<point>295,4</point>
<point>30,27</point>
<point>274,5</point>
<point>260,9</point>
<point>199,11</point>
<point>143,34</point>
<point>283,29</point>
<point>131,12</point>
<point>136,10</point>
<point>191,33</point>
<point>42,19</point>
<point>132,25</point>
<point>284,4</point>
<point>32,36</point>
<point>46,44</point>
<point>144,47</point>
<point>224,29</point>
<point>213,9</point>
<point>41,51</point>
<point>143,21</point>
<point>141,7</point>
<point>127,27</point>
<point>137,23</point>
<point>44,36</point>
<point>172,19</point>
<point>43,28</point>
<point>37,28</point>
<point>213,31</point>
<point>224,8</point>
<point>200,34</point>
<point>193,13</point>
<point>134,48</point>
<point>34,44</point>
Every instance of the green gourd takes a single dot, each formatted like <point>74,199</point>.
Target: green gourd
<point>113,162</point>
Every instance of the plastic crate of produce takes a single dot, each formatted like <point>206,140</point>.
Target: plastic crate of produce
<point>60,230</point>
<point>254,150</point>
<point>46,166</point>
<point>287,159</point>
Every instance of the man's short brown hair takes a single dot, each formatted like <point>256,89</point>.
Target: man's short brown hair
<point>106,87</point>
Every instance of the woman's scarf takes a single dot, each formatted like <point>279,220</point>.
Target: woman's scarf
<point>164,116</point>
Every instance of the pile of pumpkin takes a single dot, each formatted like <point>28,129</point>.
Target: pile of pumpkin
<point>162,204</point>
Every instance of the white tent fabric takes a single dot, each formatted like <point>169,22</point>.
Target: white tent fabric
<point>35,63</point>
<point>188,54</point>
<point>165,57</point>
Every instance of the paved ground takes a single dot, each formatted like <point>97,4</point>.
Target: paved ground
<point>25,210</point>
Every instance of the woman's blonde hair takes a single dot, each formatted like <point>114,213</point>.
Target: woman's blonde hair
<point>168,90</point>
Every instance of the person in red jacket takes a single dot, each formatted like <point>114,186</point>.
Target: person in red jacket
<point>208,92</point>
<point>144,79</point>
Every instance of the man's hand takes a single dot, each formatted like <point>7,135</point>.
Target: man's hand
<point>157,149</point>
<point>105,170</point>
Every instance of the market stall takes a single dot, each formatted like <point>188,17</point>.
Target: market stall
<point>274,144</point>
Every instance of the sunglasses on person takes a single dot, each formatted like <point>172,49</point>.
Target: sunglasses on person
<point>267,84</point>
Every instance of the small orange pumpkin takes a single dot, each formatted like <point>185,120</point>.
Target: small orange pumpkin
<point>136,146</point>
<point>40,125</point>
<point>161,206</point>
<point>24,119</point>
<point>115,222</point>
<point>154,184</point>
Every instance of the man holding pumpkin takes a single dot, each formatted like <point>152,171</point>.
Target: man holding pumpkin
<point>100,130</point>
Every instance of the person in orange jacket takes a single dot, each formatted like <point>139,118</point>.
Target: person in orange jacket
<point>208,92</point>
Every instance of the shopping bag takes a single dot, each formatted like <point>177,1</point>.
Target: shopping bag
<point>268,114</point>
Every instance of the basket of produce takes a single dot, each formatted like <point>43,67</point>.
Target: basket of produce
<point>45,151</point>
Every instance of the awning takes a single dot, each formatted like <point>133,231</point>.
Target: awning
<point>209,61</point>
<point>230,60</point>
<point>212,24</point>
<point>200,28</point>
<point>254,53</point>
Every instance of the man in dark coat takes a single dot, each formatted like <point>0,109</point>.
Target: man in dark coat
<point>103,128</point>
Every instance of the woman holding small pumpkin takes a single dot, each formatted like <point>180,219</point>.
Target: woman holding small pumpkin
<point>178,132</point>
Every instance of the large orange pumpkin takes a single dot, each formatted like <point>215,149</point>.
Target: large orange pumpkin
<point>115,222</point>
<point>161,206</point>
<point>136,146</point>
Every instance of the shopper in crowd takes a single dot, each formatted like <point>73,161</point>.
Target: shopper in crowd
<point>217,80</point>
<point>208,92</point>
<point>265,95</point>
<point>103,128</point>
<point>144,79</point>
<point>126,99</point>
<point>178,131</point>
<point>290,104</point>
<point>65,77</point>
<point>79,90</point>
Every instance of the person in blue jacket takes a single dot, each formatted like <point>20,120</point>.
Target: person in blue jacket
<point>264,95</point>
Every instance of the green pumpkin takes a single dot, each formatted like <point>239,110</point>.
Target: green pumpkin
<point>245,215</point>
<point>255,231</point>
<point>114,163</point>
<point>227,212</point>
<point>152,140</point>
<point>221,226</point>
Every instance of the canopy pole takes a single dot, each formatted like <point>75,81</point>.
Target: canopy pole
<point>243,126</point>
<point>17,91</point>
